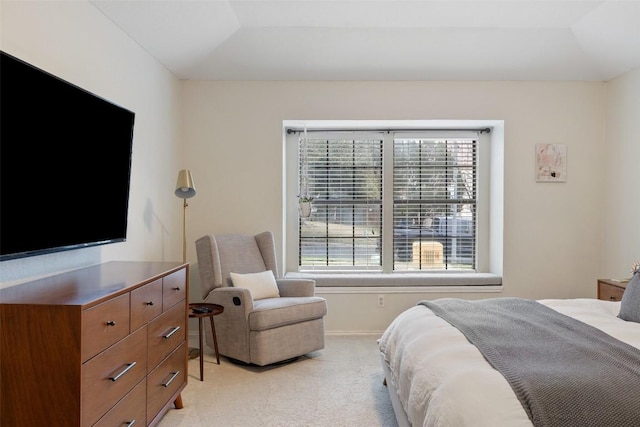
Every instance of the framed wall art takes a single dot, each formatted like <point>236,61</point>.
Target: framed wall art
<point>551,163</point>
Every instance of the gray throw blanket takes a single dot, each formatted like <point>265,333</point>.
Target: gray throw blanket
<point>565,372</point>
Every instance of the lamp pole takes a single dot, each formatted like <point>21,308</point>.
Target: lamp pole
<point>184,231</point>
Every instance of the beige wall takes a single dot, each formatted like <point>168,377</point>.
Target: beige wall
<point>552,238</point>
<point>621,200</point>
<point>558,238</point>
<point>74,41</point>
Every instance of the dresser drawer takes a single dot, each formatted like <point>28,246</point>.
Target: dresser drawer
<point>174,288</point>
<point>146,303</point>
<point>166,380</point>
<point>165,334</point>
<point>609,292</point>
<point>104,325</point>
<point>131,409</point>
<point>113,373</point>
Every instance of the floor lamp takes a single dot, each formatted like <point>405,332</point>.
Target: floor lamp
<point>185,190</point>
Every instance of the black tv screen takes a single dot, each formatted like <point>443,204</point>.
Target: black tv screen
<point>65,164</point>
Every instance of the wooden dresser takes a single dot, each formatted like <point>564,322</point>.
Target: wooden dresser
<point>611,290</point>
<point>99,346</point>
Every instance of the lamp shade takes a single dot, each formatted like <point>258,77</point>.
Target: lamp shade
<point>184,187</point>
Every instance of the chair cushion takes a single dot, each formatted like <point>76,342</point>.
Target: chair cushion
<point>261,285</point>
<point>276,312</point>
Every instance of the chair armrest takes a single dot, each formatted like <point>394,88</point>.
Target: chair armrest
<point>224,296</point>
<point>296,287</point>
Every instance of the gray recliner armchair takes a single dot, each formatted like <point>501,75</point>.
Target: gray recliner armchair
<point>257,331</point>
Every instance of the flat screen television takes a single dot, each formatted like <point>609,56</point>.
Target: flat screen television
<point>65,164</point>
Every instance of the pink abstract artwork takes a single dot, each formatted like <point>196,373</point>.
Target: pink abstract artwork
<point>551,162</point>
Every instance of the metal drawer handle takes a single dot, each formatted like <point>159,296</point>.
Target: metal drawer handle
<point>173,331</point>
<point>177,288</point>
<point>111,323</point>
<point>124,371</point>
<point>130,423</point>
<point>173,377</point>
<point>150,303</point>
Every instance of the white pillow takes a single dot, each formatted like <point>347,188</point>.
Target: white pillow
<point>261,285</point>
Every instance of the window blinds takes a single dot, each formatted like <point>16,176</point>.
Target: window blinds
<point>344,178</point>
<point>434,203</point>
<point>431,193</point>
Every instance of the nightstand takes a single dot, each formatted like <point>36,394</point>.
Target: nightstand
<point>611,290</point>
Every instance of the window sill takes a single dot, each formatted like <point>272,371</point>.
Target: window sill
<point>403,282</point>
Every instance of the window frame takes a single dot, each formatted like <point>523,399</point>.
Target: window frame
<point>485,250</point>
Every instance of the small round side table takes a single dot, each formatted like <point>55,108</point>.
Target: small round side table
<point>215,309</point>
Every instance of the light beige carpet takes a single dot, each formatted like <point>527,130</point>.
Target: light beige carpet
<point>338,386</point>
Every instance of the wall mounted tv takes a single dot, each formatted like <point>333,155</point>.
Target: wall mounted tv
<point>65,164</point>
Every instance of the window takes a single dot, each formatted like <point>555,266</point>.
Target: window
<point>434,203</point>
<point>343,175</point>
<point>387,201</point>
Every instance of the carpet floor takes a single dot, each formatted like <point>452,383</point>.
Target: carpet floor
<point>340,385</point>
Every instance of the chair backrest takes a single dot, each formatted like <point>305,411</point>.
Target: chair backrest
<point>219,255</point>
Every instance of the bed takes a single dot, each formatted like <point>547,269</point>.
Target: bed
<point>437,377</point>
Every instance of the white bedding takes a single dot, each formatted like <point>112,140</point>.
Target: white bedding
<point>443,380</point>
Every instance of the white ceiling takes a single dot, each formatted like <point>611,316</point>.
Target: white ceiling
<point>385,39</point>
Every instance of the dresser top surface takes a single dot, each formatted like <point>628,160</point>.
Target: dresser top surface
<point>89,285</point>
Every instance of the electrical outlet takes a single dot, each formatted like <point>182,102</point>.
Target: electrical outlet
<point>380,301</point>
